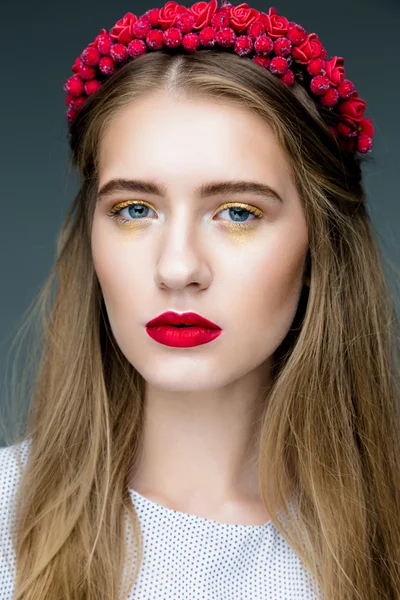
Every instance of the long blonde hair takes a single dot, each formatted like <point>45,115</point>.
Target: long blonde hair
<point>330,433</point>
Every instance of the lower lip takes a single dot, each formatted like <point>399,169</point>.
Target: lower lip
<point>182,337</point>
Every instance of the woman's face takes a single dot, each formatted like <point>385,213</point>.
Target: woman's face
<point>182,252</point>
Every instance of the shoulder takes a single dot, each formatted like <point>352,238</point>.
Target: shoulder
<point>12,462</point>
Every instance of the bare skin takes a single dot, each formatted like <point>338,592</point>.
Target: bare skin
<point>202,404</point>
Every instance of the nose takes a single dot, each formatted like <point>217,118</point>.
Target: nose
<point>182,258</point>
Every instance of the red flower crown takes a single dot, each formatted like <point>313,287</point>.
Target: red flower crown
<point>270,40</point>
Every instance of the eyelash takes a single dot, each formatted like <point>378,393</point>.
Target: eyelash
<point>116,210</point>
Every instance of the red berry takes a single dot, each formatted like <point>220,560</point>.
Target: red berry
<point>319,85</point>
<point>154,39</point>
<point>243,45</point>
<point>263,61</point>
<point>86,72</point>
<point>71,114</point>
<point>136,48</point>
<point>185,22</point>
<point>92,86</point>
<point>90,56</point>
<point>263,45</point>
<point>288,78</point>
<point>331,97</point>
<point>74,86</point>
<point>282,46</point>
<point>153,16</point>
<point>107,65</point>
<point>345,89</point>
<point>220,19</point>
<point>278,65</point>
<point>172,37</point>
<point>77,102</point>
<point>296,34</point>
<point>225,37</point>
<point>119,52</point>
<point>364,144</point>
<point>208,36</point>
<point>75,66</point>
<point>104,44</point>
<point>191,42</point>
<point>141,28</point>
<point>255,29</point>
<point>316,67</point>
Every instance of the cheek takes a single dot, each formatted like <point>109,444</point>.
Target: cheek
<point>118,270</point>
<point>268,290</point>
<point>282,279</point>
<point>260,299</point>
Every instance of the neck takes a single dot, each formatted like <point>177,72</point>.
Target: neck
<point>201,448</point>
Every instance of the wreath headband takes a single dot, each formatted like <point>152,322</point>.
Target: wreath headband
<point>281,46</point>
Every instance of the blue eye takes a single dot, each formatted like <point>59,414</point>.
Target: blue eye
<point>138,210</point>
<point>236,212</point>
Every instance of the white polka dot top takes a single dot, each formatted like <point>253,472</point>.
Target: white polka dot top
<point>185,557</point>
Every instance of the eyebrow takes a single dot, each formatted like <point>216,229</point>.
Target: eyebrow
<point>212,188</point>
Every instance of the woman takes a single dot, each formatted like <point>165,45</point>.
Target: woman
<point>254,445</point>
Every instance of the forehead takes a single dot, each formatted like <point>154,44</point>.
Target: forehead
<point>191,140</point>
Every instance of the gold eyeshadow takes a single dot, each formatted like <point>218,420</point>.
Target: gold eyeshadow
<point>126,203</point>
<point>237,231</point>
<point>251,209</point>
<point>240,234</point>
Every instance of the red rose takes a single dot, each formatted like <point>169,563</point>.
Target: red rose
<point>347,127</point>
<point>169,12</point>
<point>353,109</point>
<point>275,25</point>
<point>366,127</point>
<point>121,31</point>
<point>203,13</point>
<point>335,70</point>
<point>241,17</point>
<point>308,50</point>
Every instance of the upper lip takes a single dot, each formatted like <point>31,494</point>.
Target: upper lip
<point>188,318</point>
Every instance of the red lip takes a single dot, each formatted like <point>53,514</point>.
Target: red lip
<point>188,318</point>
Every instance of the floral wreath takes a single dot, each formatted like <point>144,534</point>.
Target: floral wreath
<point>281,46</point>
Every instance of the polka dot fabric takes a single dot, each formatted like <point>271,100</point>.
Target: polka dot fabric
<point>186,557</point>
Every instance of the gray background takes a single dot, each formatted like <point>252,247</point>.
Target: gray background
<point>40,41</point>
